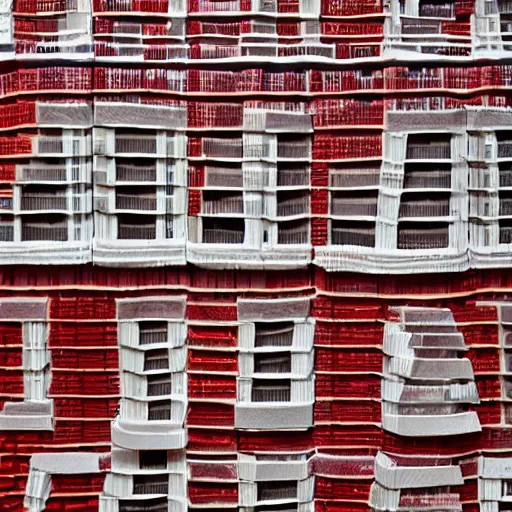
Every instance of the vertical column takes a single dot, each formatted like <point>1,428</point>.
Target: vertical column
<point>148,458</point>
<point>36,410</point>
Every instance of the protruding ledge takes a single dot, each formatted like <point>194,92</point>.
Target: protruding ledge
<point>171,308</point>
<point>253,310</point>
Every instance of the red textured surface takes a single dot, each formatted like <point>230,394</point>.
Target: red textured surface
<point>86,400</point>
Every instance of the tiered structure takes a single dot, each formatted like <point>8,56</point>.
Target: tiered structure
<point>255,255</point>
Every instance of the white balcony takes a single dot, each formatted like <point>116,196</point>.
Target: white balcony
<point>148,435</point>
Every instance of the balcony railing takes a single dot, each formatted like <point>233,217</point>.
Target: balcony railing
<point>159,411</point>
<point>136,173</point>
<point>272,363</point>
<point>136,232</point>
<point>425,208</point>
<point>271,391</point>
<point>292,206</point>
<point>156,360</point>
<point>224,177</point>
<point>294,149</point>
<point>141,202</point>
<point>430,179</point>
<point>505,149</point>
<point>438,10</point>
<point>353,206</point>
<point>419,238</point>
<point>506,178</point>
<point>505,234</point>
<point>362,237</point>
<point>355,178</point>
<point>413,26</point>
<point>152,333</point>
<point>271,491</point>
<point>504,6</point>
<point>223,148</point>
<point>224,204</point>
<point>293,177</point>
<point>136,144</point>
<point>222,236</point>
<point>296,235</point>
<point>6,233</point>
<point>437,151</point>
<point>506,206</point>
<point>441,500</point>
<point>43,202</point>
<point>144,505</point>
<point>33,232</point>
<point>48,145</point>
<point>43,173</point>
<point>151,484</point>
<point>279,335</point>
<point>159,386</point>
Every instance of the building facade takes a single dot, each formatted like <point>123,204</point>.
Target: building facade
<point>256,255</point>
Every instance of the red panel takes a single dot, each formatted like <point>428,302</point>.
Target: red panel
<point>326,488</point>
<point>211,386</point>
<point>211,441</point>
<point>356,333</point>
<point>346,386</point>
<point>347,412</point>
<point>201,413</point>
<point>348,360</point>
<point>208,361</point>
<point>212,336</point>
<point>205,492</point>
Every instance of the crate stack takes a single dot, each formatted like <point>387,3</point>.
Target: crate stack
<point>427,388</point>
<point>415,485</point>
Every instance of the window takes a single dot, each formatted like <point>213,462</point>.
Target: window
<point>274,335</point>
<point>273,363</point>
<point>152,332</point>
<point>151,484</point>
<point>429,147</point>
<point>277,490</point>
<point>361,234</point>
<point>159,411</point>
<point>159,385</point>
<point>423,235</point>
<point>223,231</point>
<point>154,505</point>
<point>136,227</point>
<point>156,360</point>
<point>271,390</point>
<point>154,459</point>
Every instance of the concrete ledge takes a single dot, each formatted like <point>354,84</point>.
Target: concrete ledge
<point>414,477</point>
<point>253,310</point>
<point>495,468</point>
<point>432,426</point>
<point>171,308</point>
<point>24,308</point>
<point>414,121</point>
<point>262,471</point>
<point>146,436</point>
<point>275,416</point>
<point>69,463</point>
